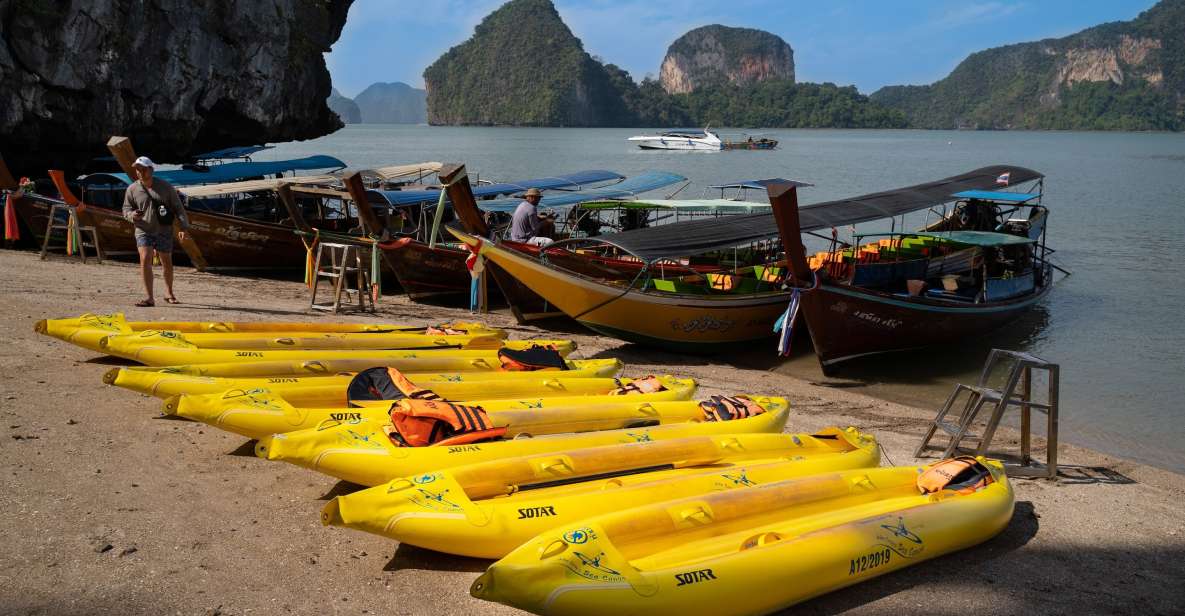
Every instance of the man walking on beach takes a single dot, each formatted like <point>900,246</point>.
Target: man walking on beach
<point>151,204</point>
<point>527,225</point>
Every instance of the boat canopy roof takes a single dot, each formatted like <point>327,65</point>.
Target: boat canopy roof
<point>627,188</point>
<point>395,172</point>
<point>977,238</point>
<point>203,191</point>
<point>242,151</point>
<point>757,184</point>
<point>226,172</point>
<point>677,205</point>
<point>699,236</point>
<point>997,195</point>
<point>571,181</point>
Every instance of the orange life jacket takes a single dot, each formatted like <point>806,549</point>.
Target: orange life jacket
<point>963,474</point>
<point>416,423</point>
<point>647,385</point>
<point>726,408</point>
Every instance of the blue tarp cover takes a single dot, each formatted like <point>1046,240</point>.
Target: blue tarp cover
<point>571,181</point>
<point>758,184</point>
<point>992,195</point>
<point>241,151</point>
<point>227,172</point>
<point>630,187</point>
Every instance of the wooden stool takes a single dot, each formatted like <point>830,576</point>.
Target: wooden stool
<point>980,395</point>
<point>344,260</point>
<point>71,221</point>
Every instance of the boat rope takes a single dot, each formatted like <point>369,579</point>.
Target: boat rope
<point>885,453</point>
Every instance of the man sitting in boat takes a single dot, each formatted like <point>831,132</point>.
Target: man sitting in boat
<point>528,225</point>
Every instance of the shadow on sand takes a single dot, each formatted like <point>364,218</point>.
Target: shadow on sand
<point>411,557</point>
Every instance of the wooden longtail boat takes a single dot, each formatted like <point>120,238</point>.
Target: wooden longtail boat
<point>429,270</point>
<point>853,302</point>
<point>913,290</point>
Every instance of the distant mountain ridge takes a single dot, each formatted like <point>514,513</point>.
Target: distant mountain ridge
<point>392,103</point>
<point>1126,75</point>
<point>345,108</point>
<point>382,103</point>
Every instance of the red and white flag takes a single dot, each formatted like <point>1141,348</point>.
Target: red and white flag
<point>1002,179</point>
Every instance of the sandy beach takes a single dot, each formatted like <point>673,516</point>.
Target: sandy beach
<point>110,508</point>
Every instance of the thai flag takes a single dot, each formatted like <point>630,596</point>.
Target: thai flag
<point>1002,179</point>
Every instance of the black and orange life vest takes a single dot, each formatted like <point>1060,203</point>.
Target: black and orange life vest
<point>385,384</point>
<point>535,357</point>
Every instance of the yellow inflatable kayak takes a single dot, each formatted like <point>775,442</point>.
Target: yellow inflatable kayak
<point>87,330</point>
<point>421,364</point>
<point>256,413</point>
<point>487,510</point>
<point>335,390</point>
<point>164,348</point>
<point>193,380</point>
<point>754,551</point>
<point>360,451</point>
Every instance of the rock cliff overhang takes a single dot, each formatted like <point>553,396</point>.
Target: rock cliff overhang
<point>178,77</point>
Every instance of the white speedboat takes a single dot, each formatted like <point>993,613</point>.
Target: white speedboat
<point>693,139</point>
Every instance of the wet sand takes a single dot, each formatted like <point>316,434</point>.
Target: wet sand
<point>109,508</point>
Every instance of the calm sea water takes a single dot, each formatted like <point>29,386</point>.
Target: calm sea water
<point>1117,219</point>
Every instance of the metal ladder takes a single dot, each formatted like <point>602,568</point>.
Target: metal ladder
<point>344,260</point>
<point>72,220</point>
<point>1017,391</point>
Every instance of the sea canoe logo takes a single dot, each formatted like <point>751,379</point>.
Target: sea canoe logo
<point>578,536</point>
<point>738,479</point>
<point>435,501</point>
<point>639,437</point>
<point>899,538</point>
<point>423,479</point>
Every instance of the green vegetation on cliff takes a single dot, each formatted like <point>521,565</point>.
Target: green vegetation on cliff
<point>780,103</point>
<point>524,67</point>
<point>1117,76</point>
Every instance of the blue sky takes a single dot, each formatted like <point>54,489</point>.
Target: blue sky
<point>862,42</point>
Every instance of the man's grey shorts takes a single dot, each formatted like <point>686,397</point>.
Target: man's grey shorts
<point>162,241</point>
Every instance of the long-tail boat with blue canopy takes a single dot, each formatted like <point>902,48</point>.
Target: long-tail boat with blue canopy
<point>236,239</point>
<point>429,267</point>
<point>982,265</point>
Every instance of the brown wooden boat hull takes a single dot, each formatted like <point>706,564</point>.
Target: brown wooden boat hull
<point>847,322</point>
<point>228,242</point>
<point>427,273</point>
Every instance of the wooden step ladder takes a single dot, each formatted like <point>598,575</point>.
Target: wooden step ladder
<point>72,220</point>
<point>344,260</point>
<point>1016,392</point>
